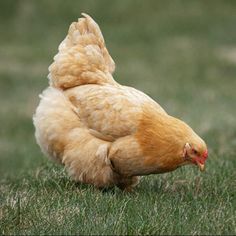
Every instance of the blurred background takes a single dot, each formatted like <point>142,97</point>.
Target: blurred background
<point>181,53</point>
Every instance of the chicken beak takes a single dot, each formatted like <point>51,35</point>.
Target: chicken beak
<point>201,166</point>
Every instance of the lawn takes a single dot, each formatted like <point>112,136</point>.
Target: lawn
<point>182,54</point>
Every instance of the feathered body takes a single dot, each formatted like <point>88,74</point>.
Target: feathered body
<point>104,133</point>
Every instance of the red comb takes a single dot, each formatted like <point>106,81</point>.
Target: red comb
<point>205,154</point>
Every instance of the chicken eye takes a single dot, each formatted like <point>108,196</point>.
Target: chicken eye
<point>194,151</point>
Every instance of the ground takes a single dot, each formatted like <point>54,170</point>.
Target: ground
<point>182,54</point>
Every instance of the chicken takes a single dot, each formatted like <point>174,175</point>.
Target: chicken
<point>104,133</point>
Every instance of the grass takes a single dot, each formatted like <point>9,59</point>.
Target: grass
<point>182,53</point>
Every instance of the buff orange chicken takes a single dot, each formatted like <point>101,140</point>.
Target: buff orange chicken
<point>104,133</point>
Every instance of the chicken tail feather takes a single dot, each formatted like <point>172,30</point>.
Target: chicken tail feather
<point>82,57</point>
